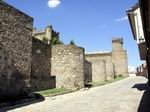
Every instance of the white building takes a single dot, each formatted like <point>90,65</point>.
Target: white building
<point>135,18</point>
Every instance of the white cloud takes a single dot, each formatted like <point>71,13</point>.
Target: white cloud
<point>122,19</point>
<point>53,3</point>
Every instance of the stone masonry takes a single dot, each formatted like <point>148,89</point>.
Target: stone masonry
<point>119,57</point>
<point>41,66</point>
<point>116,62</point>
<point>102,66</point>
<point>15,51</point>
<point>87,72</point>
<point>68,66</point>
<point>28,64</point>
<point>24,60</point>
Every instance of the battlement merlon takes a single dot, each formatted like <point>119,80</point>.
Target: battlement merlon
<point>117,39</point>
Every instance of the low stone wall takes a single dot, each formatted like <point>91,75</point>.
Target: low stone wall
<point>99,69</point>
<point>68,66</point>
<point>41,66</point>
<point>88,71</point>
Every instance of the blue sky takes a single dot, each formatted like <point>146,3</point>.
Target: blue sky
<point>91,23</point>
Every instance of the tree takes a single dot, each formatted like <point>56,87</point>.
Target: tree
<point>55,41</point>
<point>72,42</point>
<point>44,39</point>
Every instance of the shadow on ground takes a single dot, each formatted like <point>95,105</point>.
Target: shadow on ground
<point>144,105</point>
<point>6,106</point>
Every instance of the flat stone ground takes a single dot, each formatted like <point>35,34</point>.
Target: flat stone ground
<point>121,96</point>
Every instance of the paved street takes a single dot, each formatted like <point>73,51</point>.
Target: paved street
<point>116,97</point>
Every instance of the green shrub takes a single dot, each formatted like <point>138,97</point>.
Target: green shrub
<point>72,42</point>
<point>44,39</point>
<point>120,75</point>
<point>53,91</point>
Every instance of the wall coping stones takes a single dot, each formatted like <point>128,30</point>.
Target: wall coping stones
<point>120,40</point>
<point>17,11</point>
<point>99,54</point>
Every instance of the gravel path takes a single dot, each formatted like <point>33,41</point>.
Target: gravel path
<point>116,97</point>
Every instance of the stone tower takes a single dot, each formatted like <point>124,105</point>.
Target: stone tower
<point>48,33</point>
<point>119,57</point>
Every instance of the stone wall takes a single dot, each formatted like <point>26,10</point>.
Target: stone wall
<point>99,71</point>
<point>16,45</point>
<point>68,66</point>
<point>119,57</point>
<point>102,66</point>
<point>26,62</point>
<point>41,66</point>
<point>120,62</point>
<point>116,62</point>
<point>88,71</point>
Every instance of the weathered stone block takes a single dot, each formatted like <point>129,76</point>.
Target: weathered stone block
<point>68,66</point>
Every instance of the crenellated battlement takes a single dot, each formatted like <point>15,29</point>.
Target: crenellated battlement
<point>117,39</point>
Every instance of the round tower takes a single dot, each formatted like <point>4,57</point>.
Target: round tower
<point>119,57</point>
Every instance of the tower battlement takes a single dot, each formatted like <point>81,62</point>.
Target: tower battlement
<point>120,40</point>
<point>117,44</point>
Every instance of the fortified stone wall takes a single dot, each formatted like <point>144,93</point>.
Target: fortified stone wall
<point>18,57</point>
<point>41,66</point>
<point>16,49</point>
<point>68,66</point>
<point>119,56</point>
<point>120,62</point>
<point>88,71</point>
<point>102,66</point>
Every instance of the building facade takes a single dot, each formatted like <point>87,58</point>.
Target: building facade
<point>134,15</point>
<point>139,17</point>
<point>46,35</point>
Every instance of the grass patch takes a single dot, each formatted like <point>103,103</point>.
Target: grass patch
<point>117,79</point>
<point>53,92</point>
<point>59,91</point>
<point>95,84</point>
